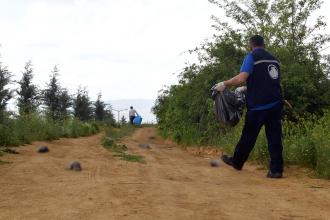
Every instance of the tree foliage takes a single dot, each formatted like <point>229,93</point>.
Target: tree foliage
<point>51,95</point>
<point>56,99</point>
<point>5,93</point>
<point>102,111</point>
<point>28,99</point>
<point>293,37</point>
<point>65,103</point>
<point>123,120</point>
<point>99,108</point>
<point>82,105</point>
<point>109,117</point>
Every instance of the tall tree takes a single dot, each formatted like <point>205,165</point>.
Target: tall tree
<point>27,92</point>
<point>65,102</point>
<point>109,117</point>
<point>82,106</point>
<point>5,93</point>
<point>51,95</point>
<point>99,108</point>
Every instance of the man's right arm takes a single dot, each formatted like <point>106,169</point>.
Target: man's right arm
<point>237,80</point>
<point>246,70</point>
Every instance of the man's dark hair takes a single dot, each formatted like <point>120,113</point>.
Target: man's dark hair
<point>257,41</point>
<point>131,107</point>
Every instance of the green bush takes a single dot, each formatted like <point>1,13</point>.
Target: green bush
<point>7,137</point>
<point>321,140</point>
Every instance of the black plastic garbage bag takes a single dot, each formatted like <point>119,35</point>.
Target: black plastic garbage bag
<point>228,105</point>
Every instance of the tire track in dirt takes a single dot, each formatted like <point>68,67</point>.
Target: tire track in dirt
<point>173,184</point>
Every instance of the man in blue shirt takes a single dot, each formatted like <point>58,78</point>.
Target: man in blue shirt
<point>261,73</point>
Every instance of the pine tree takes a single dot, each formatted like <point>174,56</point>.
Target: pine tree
<point>109,117</point>
<point>27,92</point>
<point>65,102</point>
<point>123,120</point>
<point>57,99</point>
<point>51,95</point>
<point>5,92</point>
<point>82,106</point>
<point>99,109</point>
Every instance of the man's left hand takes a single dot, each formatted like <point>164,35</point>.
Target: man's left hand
<point>241,89</point>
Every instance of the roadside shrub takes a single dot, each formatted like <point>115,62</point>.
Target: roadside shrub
<point>7,137</point>
<point>321,137</point>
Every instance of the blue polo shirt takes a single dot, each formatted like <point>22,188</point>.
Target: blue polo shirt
<point>247,67</point>
<point>248,63</point>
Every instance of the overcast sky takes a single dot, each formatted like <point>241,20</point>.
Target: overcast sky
<point>127,49</point>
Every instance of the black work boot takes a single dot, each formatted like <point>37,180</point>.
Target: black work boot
<point>274,175</point>
<point>229,161</point>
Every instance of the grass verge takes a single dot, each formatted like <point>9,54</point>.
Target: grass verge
<point>131,157</point>
<point>28,128</point>
<point>4,162</point>
<point>8,151</point>
<point>120,150</point>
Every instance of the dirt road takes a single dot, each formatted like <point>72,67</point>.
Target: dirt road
<point>173,184</point>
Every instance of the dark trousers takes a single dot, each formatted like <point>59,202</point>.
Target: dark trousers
<point>131,119</point>
<point>254,120</point>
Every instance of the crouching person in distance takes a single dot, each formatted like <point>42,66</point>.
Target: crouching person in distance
<point>261,72</point>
